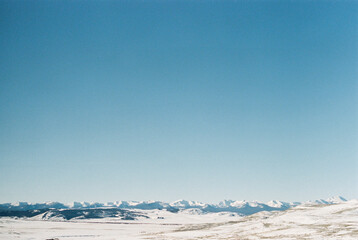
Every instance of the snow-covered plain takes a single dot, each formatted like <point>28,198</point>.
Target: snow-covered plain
<point>306,221</point>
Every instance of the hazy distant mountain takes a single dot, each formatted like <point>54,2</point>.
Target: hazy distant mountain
<point>126,209</point>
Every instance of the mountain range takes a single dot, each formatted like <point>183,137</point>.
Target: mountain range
<point>126,210</point>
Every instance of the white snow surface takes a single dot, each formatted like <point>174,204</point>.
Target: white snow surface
<point>307,221</point>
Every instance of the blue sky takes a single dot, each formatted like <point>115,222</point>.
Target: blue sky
<point>201,100</point>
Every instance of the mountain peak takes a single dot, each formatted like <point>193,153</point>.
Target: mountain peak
<point>336,199</point>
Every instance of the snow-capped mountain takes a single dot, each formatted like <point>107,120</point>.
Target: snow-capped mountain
<point>331,200</point>
<point>187,204</point>
<point>97,210</point>
<point>336,199</point>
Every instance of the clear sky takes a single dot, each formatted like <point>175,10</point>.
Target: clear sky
<point>163,100</point>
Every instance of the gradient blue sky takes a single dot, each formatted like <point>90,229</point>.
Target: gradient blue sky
<point>201,100</point>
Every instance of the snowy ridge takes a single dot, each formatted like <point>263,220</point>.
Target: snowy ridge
<point>242,207</point>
